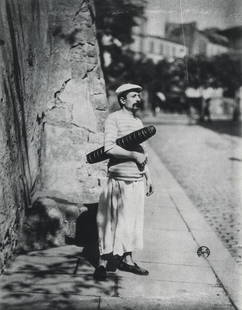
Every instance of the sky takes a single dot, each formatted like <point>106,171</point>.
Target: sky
<point>208,13</point>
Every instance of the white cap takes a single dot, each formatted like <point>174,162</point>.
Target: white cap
<point>128,87</point>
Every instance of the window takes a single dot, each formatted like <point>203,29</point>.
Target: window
<point>151,46</point>
<point>173,51</point>
<point>167,51</point>
<point>161,48</point>
<point>182,52</point>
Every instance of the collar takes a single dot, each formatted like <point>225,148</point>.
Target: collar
<point>127,112</point>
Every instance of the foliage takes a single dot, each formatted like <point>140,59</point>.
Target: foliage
<point>223,70</point>
<point>118,17</point>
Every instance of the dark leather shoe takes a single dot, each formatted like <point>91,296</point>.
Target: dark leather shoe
<point>100,273</point>
<point>133,268</point>
<point>111,266</point>
<point>113,263</point>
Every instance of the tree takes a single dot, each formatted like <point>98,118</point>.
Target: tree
<point>227,71</point>
<point>114,22</point>
<point>221,69</point>
<point>117,18</point>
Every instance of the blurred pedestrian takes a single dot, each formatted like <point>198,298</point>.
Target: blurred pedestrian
<point>176,98</point>
<point>161,100</point>
<point>194,102</point>
<point>207,94</point>
<point>121,206</point>
<point>238,103</point>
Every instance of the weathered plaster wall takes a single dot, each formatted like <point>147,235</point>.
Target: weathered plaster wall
<point>53,104</point>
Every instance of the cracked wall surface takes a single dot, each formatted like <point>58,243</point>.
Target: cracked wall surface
<point>53,105</point>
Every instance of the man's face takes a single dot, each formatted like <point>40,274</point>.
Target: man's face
<point>132,101</point>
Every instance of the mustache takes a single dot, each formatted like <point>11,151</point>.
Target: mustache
<point>138,104</point>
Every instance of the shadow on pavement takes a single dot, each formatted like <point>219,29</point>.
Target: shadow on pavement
<point>224,127</point>
<point>46,280</point>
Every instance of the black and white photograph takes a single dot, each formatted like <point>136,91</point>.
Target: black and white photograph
<point>120,154</point>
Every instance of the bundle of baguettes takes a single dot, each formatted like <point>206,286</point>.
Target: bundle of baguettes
<point>134,138</point>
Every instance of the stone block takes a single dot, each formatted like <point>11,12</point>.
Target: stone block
<point>89,35</point>
<point>70,178</point>
<point>49,222</point>
<point>96,138</point>
<point>91,195</point>
<point>77,93</point>
<point>60,115</point>
<point>96,83</point>
<point>43,227</point>
<point>64,142</point>
<point>91,53</point>
<point>101,117</point>
<point>100,102</point>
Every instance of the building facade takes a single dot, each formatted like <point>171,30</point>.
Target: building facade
<point>156,47</point>
<point>234,36</point>
<point>207,42</point>
<point>182,40</point>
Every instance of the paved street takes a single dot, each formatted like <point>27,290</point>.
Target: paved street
<point>207,162</point>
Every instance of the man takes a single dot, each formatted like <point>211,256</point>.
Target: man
<point>120,213</point>
<point>207,95</point>
<point>194,102</point>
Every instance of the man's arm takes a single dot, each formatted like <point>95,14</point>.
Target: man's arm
<point>149,185</point>
<point>118,152</point>
<point>113,150</point>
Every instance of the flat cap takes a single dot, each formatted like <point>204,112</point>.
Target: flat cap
<point>128,87</point>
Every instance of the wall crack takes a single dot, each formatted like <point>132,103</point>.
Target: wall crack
<point>60,91</point>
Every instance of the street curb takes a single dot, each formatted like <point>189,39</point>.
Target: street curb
<point>142,303</point>
<point>226,270</point>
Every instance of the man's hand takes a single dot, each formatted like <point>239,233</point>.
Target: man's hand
<point>141,160</point>
<point>149,185</point>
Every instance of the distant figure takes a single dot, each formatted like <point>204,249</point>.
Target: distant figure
<point>176,98</point>
<point>238,103</point>
<point>207,94</point>
<point>218,107</point>
<point>161,99</point>
<point>194,102</point>
<point>157,100</point>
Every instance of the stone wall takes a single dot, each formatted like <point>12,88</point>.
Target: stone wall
<point>53,104</point>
